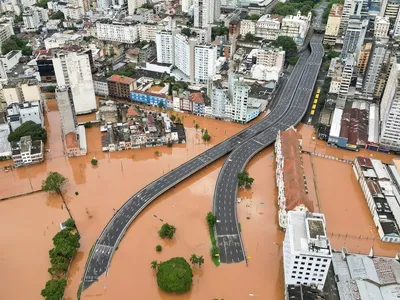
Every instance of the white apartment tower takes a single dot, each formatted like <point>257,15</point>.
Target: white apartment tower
<point>307,252</point>
<point>184,54</point>
<point>240,99</point>
<point>206,12</point>
<point>350,8</point>
<point>396,28</point>
<point>381,27</point>
<point>374,66</point>
<point>347,74</point>
<point>205,60</point>
<point>390,110</point>
<point>165,47</point>
<point>73,69</point>
<point>354,37</point>
<point>219,99</point>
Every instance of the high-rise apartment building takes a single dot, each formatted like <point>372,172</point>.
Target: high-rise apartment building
<point>186,4</point>
<point>381,27</point>
<point>73,69</point>
<point>6,31</point>
<point>374,66</point>
<point>333,24</point>
<point>390,110</point>
<point>347,74</point>
<point>165,47</point>
<point>184,56</point>
<point>307,252</point>
<point>354,37</point>
<point>350,8</point>
<point>271,57</point>
<point>206,12</point>
<point>389,8</point>
<point>219,99</point>
<point>396,27</point>
<point>205,60</point>
<point>240,99</point>
<point>362,62</point>
<point>115,31</point>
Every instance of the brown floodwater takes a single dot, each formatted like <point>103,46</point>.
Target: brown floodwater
<point>120,174</point>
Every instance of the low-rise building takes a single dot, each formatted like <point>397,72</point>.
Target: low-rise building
<point>366,277</point>
<point>100,86</point>
<point>307,251</point>
<point>120,86</point>
<point>198,103</point>
<point>11,59</point>
<point>290,176</point>
<point>268,27</point>
<point>58,40</point>
<point>27,152</point>
<point>296,27</point>
<point>333,24</point>
<point>379,183</point>
<point>118,31</point>
<point>19,113</point>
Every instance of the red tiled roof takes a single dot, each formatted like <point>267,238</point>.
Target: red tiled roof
<point>121,79</point>
<point>293,174</point>
<point>71,140</point>
<point>197,97</point>
<point>132,112</point>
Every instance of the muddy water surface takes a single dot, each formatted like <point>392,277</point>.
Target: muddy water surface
<point>106,187</point>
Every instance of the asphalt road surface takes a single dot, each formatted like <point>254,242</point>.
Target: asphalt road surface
<point>289,111</point>
<point>103,250</point>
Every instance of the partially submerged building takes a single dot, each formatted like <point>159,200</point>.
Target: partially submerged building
<point>362,277</point>
<point>380,185</point>
<point>290,176</point>
<point>27,152</point>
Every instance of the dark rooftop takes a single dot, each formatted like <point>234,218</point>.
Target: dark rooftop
<point>365,162</point>
<point>303,292</point>
<point>354,126</point>
<point>316,228</point>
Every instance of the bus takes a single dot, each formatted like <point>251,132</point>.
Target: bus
<point>312,112</point>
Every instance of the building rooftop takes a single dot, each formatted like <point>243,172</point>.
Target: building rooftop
<point>303,292</point>
<point>336,10</point>
<point>366,278</point>
<point>71,140</point>
<point>121,79</point>
<point>197,97</point>
<point>293,173</point>
<point>354,126</point>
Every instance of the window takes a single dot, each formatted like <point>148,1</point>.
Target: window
<point>303,263</point>
<point>314,279</point>
<point>317,265</point>
<point>295,267</point>
<point>318,259</point>
<point>293,276</point>
<point>319,280</point>
<point>303,257</point>
<point>325,260</point>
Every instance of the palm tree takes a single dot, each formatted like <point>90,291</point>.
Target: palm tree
<point>196,126</point>
<point>154,264</point>
<point>194,259</point>
<point>200,260</point>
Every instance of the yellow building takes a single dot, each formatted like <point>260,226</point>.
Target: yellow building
<point>363,58</point>
<point>333,24</point>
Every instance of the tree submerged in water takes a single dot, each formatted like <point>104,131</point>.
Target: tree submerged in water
<point>175,275</point>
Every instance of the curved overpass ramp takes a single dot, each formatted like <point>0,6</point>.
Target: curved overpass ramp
<point>103,250</point>
<point>225,195</point>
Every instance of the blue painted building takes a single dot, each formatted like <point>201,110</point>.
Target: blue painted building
<point>149,98</point>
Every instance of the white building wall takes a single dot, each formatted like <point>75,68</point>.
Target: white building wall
<point>74,70</point>
<point>134,4</point>
<point>218,102</point>
<point>118,32</point>
<point>205,62</point>
<point>165,47</point>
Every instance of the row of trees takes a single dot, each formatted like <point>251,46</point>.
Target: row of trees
<point>29,128</point>
<point>15,43</point>
<point>211,221</point>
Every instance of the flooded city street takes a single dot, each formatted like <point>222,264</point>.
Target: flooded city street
<point>33,220</point>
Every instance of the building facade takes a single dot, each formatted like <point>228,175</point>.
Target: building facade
<point>122,32</point>
<point>120,86</point>
<point>307,251</point>
<point>27,152</point>
<point>354,36</point>
<point>390,110</point>
<point>333,24</point>
<point>205,60</point>
<point>165,47</point>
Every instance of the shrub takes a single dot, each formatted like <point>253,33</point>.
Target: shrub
<point>158,248</point>
<point>94,161</point>
<point>167,231</point>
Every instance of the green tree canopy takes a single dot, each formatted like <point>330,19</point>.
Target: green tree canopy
<point>42,3</point>
<point>206,136</point>
<point>54,183</point>
<point>175,275</point>
<point>59,264</point>
<point>287,44</point>
<point>66,242</point>
<point>219,30</point>
<point>14,43</point>
<point>54,289</point>
<point>57,16</point>
<point>253,17</point>
<point>249,37</point>
<point>244,180</point>
<point>211,219</point>
<point>51,89</point>
<point>29,128</point>
<point>186,31</point>
<point>70,223</point>
<point>167,231</point>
